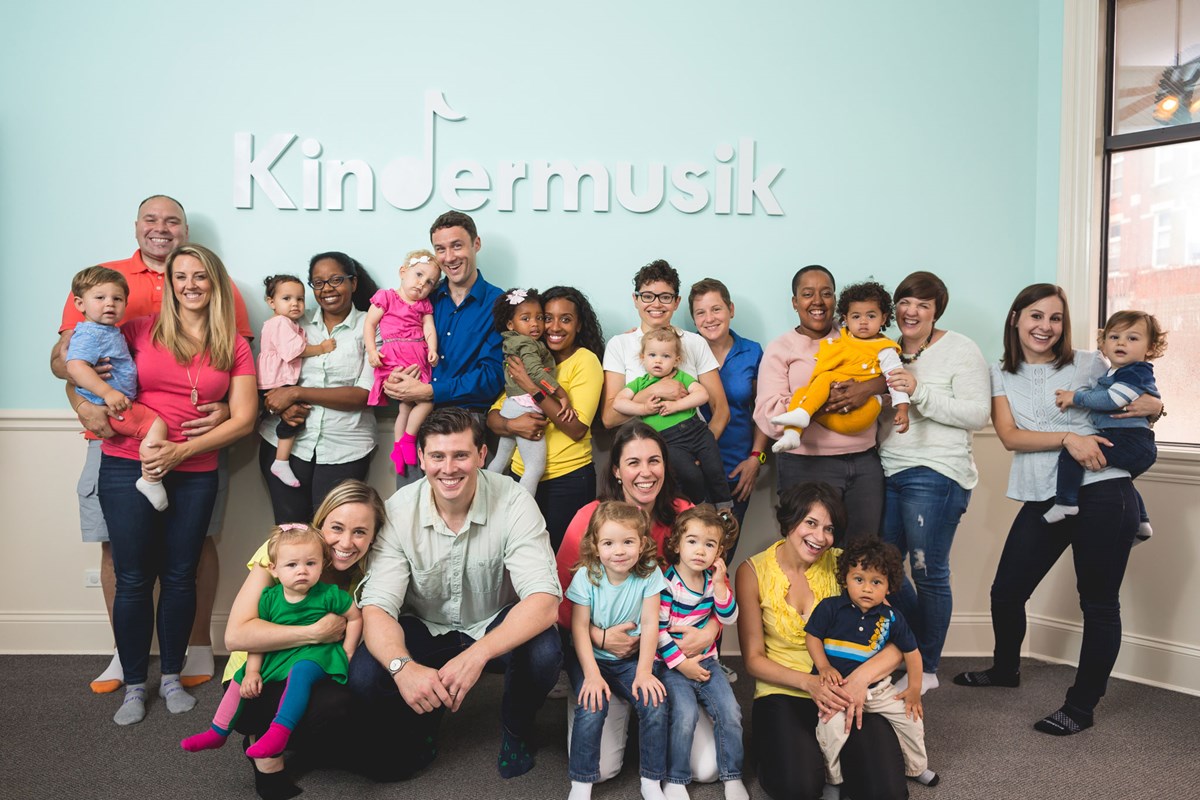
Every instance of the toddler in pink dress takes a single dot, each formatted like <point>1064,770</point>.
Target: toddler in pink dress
<point>403,320</point>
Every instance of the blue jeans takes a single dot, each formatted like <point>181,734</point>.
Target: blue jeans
<point>1100,537</point>
<point>717,697</point>
<point>584,763</point>
<point>149,546</point>
<point>530,671</point>
<point>921,513</point>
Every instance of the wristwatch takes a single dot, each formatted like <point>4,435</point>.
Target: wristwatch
<point>398,664</point>
<point>760,455</point>
<point>538,396</point>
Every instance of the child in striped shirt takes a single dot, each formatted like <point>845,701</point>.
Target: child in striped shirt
<point>697,592</point>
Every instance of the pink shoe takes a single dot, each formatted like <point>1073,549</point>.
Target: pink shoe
<point>408,447</point>
<point>398,457</point>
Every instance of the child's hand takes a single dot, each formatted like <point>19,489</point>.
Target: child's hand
<point>432,358</point>
<point>594,693</point>
<point>901,420</point>
<point>831,677</point>
<point>329,345</point>
<point>565,411</point>
<point>720,572</point>
<point>115,402</point>
<point>691,669</point>
<point>649,689</point>
<point>911,697</point>
<point>1064,399</point>
<point>668,407</point>
<point>251,685</point>
<point>373,358</point>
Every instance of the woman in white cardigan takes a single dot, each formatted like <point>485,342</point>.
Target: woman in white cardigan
<point>929,470</point>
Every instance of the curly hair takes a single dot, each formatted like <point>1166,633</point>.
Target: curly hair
<point>1121,320</point>
<point>591,335</point>
<point>504,309</point>
<point>628,516</point>
<point>870,553</point>
<point>657,270</point>
<point>723,523</point>
<point>866,292</point>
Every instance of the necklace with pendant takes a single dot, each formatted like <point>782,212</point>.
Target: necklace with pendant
<point>195,395</point>
<point>905,358</point>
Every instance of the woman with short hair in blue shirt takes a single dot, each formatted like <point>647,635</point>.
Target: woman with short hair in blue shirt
<point>743,446</point>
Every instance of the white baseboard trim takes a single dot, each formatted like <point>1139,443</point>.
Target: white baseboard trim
<point>72,633</point>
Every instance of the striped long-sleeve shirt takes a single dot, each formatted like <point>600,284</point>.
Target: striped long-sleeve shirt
<point>681,605</point>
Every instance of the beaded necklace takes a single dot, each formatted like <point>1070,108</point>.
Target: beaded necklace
<point>905,358</point>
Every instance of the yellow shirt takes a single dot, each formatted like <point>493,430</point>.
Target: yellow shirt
<point>783,627</point>
<point>582,378</point>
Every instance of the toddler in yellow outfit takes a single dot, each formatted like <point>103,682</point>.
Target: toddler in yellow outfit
<point>861,353</point>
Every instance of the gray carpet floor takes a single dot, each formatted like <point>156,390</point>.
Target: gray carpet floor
<point>59,741</point>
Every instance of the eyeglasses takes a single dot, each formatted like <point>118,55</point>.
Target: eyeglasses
<point>335,281</point>
<point>666,298</point>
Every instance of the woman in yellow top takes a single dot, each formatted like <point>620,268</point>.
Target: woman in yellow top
<point>575,340</point>
<point>349,517</point>
<point>776,591</point>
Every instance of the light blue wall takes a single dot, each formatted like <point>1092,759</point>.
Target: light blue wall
<point>913,135</point>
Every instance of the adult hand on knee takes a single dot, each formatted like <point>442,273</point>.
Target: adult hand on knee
<point>460,674</point>
<point>421,688</point>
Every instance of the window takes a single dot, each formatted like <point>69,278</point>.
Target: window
<point>1150,256</point>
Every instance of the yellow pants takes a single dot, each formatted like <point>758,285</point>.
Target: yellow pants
<point>816,394</point>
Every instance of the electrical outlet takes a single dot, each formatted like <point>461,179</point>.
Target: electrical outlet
<point>91,579</point>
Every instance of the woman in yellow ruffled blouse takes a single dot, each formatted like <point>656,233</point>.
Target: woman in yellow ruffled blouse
<point>776,591</point>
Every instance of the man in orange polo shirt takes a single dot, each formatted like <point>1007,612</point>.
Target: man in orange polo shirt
<point>160,227</point>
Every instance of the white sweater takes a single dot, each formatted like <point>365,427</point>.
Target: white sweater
<point>953,398</point>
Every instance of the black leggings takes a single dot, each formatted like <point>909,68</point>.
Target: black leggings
<point>790,764</point>
<point>298,504</point>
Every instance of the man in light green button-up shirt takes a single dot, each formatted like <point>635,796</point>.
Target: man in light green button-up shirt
<point>461,579</point>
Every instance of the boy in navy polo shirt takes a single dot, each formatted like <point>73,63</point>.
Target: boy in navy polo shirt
<point>845,631</point>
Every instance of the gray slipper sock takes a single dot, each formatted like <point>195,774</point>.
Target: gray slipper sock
<point>178,700</point>
<point>133,707</point>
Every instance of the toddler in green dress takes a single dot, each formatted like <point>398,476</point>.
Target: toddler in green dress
<point>298,553</point>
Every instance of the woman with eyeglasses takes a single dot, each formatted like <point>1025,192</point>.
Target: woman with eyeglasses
<point>330,401</point>
<point>656,297</point>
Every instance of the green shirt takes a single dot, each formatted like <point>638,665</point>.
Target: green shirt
<point>658,421</point>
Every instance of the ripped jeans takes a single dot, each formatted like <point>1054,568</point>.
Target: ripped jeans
<point>921,513</point>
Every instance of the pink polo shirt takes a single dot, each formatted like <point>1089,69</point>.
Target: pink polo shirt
<point>165,387</point>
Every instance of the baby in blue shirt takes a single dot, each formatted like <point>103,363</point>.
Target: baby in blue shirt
<point>844,631</point>
<point>1129,341</point>
<point>100,295</point>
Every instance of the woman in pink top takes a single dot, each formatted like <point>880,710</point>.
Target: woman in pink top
<point>188,355</point>
<point>848,463</point>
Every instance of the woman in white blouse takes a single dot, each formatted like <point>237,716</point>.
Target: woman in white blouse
<point>929,472</point>
<point>331,399</point>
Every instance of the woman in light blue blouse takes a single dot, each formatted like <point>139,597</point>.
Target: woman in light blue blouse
<point>1038,360</point>
<point>331,399</point>
<point>743,446</point>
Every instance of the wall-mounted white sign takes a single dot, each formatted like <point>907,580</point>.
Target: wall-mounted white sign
<point>731,185</point>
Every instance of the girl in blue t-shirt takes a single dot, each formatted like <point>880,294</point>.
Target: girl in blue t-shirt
<point>617,580</point>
